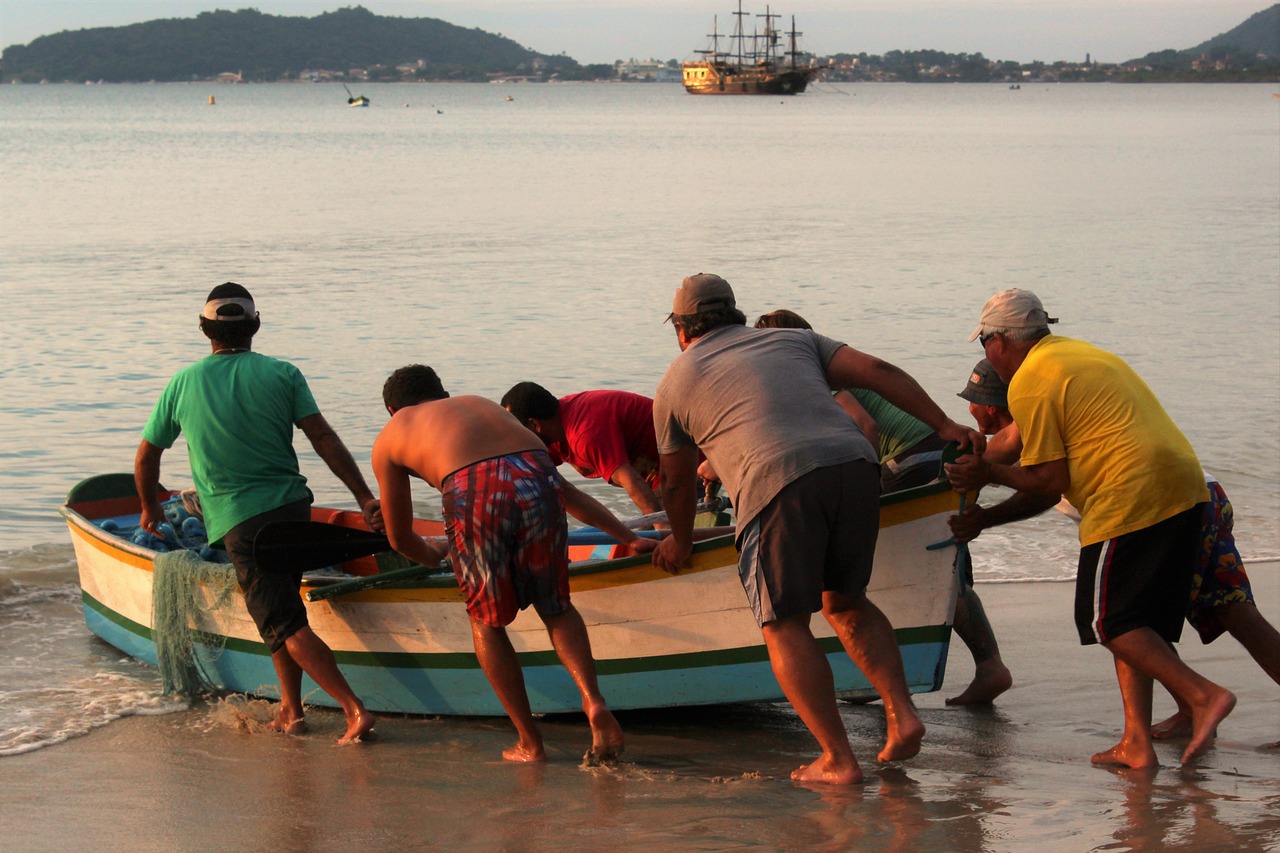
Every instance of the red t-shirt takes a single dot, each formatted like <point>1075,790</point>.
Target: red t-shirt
<point>605,429</point>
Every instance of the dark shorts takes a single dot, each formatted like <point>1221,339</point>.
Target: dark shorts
<point>508,539</point>
<point>818,534</point>
<point>1219,576</point>
<point>1138,580</point>
<point>273,598</point>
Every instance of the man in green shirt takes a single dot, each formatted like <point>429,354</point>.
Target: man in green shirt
<point>237,410</point>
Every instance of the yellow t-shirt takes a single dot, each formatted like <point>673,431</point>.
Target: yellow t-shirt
<point>1130,465</point>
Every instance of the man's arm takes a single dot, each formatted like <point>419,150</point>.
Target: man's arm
<point>397,512</point>
<point>970,473</point>
<point>850,368</point>
<point>340,461</point>
<point>1005,446</point>
<point>146,478</point>
<point>590,511</point>
<point>637,488</point>
<point>1020,505</point>
<point>680,497</point>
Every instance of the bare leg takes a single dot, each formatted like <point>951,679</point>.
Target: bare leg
<point>868,639</point>
<point>1148,654</point>
<point>573,647</point>
<point>1259,638</point>
<point>501,666</point>
<point>1244,622</point>
<point>289,719</point>
<point>990,677</point>
<point>1178,724</point>
<point>1134,749</point>
<point>805,678</point>
<point>310,653</point>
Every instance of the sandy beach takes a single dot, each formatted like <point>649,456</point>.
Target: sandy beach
<point>1015,776</point>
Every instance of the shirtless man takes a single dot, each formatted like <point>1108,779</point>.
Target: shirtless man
<point>504,513</point>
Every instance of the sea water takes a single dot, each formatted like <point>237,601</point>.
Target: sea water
<point>537,232</point>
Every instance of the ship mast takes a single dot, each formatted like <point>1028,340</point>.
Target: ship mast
<point>714,35</point>
<point>738,35</point>
<point>770,36</point>
<point>793,53</point>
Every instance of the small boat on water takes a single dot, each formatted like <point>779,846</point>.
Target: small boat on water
<point>355,100</point>
<point>753,64</point>
<point>402,638</point>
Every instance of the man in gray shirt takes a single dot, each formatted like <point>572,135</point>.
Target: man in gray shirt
<point>806,486</point>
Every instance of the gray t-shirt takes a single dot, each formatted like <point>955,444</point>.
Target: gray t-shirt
<point>756,402</point>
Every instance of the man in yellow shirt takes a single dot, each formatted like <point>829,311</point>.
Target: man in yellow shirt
<point>1093,431</point>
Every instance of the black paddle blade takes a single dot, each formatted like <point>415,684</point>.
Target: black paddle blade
<point>300,546</point>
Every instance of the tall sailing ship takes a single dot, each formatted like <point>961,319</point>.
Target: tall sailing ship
<point>754,64</point>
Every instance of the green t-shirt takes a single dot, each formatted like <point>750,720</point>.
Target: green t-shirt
<point>237,413</point>
<point>897,430</point>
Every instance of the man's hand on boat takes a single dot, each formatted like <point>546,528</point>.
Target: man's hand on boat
<point>967,439</point>
<point>672,555</point>
<point>968,473</point>
<point>372,512</point>
<point>640,546</point>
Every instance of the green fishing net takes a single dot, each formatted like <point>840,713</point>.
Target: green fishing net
<point>183,587</point>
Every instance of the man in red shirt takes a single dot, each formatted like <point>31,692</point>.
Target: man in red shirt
<point>605,435</point>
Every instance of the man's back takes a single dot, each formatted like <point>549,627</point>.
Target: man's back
<point>435,438</point>
<point>1130,466</point>
<point>237,413</point>
<point>757,403</point>
<point>607,428</point>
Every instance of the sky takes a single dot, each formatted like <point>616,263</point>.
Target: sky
<point>593,31</point>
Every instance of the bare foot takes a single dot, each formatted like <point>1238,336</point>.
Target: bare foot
<point>1205,723</point>
<point>524,754</point>
<point>358,726</point>
<point>990,679</point>
<point>829,772</point>
<point>606,735</point>
<point>1128,754</point>
<point>1179,725</point>
<point>288,724</point>
<point>904,739</point>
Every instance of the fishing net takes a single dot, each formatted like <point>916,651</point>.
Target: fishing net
<point>183,587</point>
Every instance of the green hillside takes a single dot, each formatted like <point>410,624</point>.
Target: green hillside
<point>268,47</point>
<point>1258,35</point>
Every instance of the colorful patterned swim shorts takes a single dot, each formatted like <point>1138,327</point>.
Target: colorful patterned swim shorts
<point>508,538</point>
<point>1219,575</point>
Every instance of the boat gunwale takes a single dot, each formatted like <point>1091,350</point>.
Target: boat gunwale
<point>442,578</point>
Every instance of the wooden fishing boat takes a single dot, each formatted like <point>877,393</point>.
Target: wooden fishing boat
<point>402,638</point>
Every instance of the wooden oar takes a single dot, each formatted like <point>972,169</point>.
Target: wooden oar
<point>391,578</point>
<point>709,505</point>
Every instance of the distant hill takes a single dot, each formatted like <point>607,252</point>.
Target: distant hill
<point>1258,35</point>
<point>268,47</point>
<point>1255,45</point>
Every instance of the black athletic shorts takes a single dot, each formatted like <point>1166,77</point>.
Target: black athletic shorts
<point>1139,580</point>
<point>272,598</point>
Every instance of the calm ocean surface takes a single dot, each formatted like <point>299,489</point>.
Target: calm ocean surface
<point>503,233</point>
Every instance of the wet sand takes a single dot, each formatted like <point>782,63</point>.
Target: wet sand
<point>1015,776</point>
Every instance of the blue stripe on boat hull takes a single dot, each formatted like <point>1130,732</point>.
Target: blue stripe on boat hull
<point>421,688</point>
